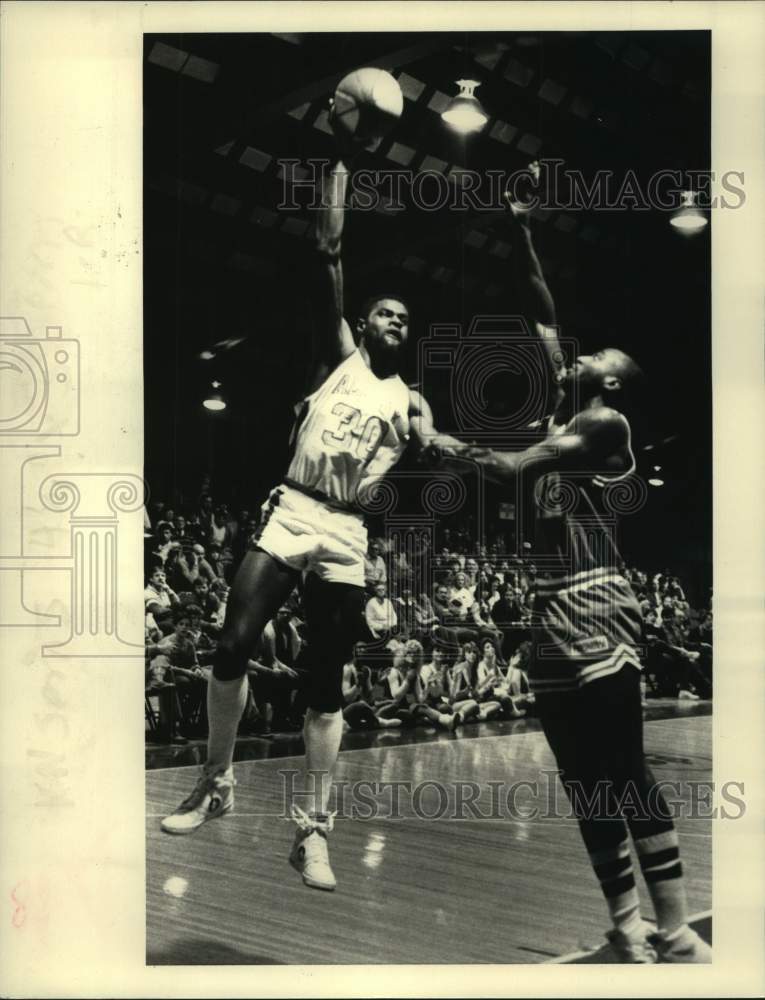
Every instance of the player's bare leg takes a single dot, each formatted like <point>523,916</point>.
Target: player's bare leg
<point>260,587</point>
<point>333,613</point>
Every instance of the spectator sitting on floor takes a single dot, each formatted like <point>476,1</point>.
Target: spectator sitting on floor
<point>425,706</point>
<point>437,679</point>
<point>517,676</point>
<point>491,683</point>
<point>463,684</point>
<point>360,711</point>
<point>380,614</point>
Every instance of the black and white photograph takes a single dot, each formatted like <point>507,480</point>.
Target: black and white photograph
<point>381,547</point>
<point>428,435</point>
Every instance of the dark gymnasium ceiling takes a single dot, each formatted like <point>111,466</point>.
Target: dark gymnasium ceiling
<point>221,261</point>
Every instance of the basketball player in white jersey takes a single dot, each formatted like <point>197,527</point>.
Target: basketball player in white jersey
<point>586,669</point>
<point>350,430</point>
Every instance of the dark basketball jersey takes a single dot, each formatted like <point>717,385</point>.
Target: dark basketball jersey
<point>587,622</point>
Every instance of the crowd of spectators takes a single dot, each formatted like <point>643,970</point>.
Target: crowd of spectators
<point>441,652</point>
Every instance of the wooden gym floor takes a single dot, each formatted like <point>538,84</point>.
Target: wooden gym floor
<point>478,889</point>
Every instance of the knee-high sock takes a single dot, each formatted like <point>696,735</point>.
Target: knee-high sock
<point>322,732</point>
<point>613,866</point>
<point>225,704</point>
<point>663,873</point>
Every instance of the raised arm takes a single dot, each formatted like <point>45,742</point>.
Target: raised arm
<point>333,340</point>
<point>534,296</point>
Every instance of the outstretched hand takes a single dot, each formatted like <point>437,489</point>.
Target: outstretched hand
<point>520,197</point>
<point>348,145</point>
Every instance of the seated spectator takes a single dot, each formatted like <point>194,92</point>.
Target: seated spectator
<point>406,612</point>
<point>441,606</point>
<point>209,605</point>
<point>186,672</point>
<point>180,527</point>
<point>164,541</point>
<point>360,710</point>
<point>424,616</point>
<point>380,614</point>
<point>471,574</point>
<point>463,684</point>
<point>159,600</point>
<point>490,682</point>
<point>273,673</point>
<point>671,667</point>
<point>205,569</point>
<point>204,644</point>
<point>375,570</point>
<point>412,694</point>
<point>221,590</point>
<point>184,570</point>
<point>215,561</point>
<point>461,598</point>
<point>437,679</point>
<point>220,531</point>
<point>281,640</point>
<point>517,676</point>
<point>156,683</point>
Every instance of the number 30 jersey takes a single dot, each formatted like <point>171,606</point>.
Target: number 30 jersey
<point>349,432</point>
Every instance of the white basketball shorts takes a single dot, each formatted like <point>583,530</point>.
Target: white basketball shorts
<point>311,537</point>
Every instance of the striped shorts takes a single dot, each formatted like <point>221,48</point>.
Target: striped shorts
<point>587,625</point>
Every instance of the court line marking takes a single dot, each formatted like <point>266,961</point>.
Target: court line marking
<point>405,746</point>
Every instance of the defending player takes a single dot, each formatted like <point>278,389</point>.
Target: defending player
<point>586,670</point>
<point>350,430</point>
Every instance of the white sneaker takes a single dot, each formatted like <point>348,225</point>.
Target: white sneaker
<point>309,854</point>
<point>682,946</point>
<point>633,949</point>
<point>687,696</point>
<point>213,795</point>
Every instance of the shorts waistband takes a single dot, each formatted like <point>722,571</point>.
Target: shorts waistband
<point>321,497</point>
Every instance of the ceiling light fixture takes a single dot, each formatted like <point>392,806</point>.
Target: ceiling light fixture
<point>688,219</point>
<point>214,401</point>
<point>465,113</point>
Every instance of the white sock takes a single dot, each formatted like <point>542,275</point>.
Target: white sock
<point>322,732</point>
<point>225,705</point>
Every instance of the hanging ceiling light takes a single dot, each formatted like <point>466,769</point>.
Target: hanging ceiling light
<point>213,400</point>
<point>465,113</point>
<point>688,219</point>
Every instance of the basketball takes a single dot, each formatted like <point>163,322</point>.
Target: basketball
<point>368,103</point>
